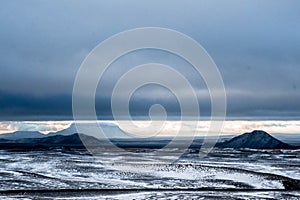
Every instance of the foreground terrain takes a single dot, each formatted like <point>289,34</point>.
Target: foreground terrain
<point>224,173</point>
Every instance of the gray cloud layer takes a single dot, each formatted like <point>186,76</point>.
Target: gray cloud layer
<point>255,44</point>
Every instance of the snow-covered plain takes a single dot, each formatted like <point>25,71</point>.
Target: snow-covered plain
<point>221,170</point>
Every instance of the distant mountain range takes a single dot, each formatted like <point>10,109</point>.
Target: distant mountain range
<point>35,134</point>
<point>113,129</point>
<point>69,138</point>
<point>21,135</point>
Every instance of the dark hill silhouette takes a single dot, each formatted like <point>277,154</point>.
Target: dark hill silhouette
<point>21,135</point>
<point>69,141</point>
<point>257,139</point>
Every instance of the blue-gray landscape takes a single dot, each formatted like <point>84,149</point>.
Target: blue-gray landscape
<point>129,99</point>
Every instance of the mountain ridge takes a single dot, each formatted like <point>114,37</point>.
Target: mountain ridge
<point>257,139</point>
<point>22,134</point>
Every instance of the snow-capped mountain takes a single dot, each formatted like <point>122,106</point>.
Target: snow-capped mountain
<point>68,131</point>
<point>110,129</point>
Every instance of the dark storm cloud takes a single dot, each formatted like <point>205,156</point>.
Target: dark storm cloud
<point>17,106</point>
<point>255,44</point>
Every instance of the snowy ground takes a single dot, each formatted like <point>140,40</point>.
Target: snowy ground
<point>223,173</point>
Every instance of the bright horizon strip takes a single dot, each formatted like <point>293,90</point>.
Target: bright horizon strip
<point>230,126</point>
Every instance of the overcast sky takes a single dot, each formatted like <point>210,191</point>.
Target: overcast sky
<point>255,44</point>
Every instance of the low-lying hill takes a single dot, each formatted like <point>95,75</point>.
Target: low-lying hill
<point>255,140</point>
